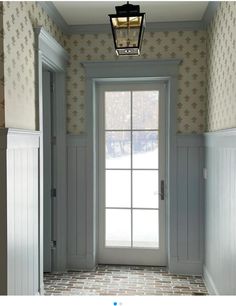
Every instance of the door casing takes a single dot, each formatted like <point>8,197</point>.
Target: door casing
<point>50,54</point>
<point>47,209</point>
<point>111,255</point>
<point>135,70</point>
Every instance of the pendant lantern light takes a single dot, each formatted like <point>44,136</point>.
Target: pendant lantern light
<point>128,26</point>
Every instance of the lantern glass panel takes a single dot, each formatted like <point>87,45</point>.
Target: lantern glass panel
<point>126,31</point>
<point>124,39</point>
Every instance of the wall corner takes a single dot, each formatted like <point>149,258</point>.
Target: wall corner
<point>2,100</point>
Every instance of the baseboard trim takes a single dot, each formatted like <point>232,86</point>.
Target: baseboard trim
<point>209,282</point>
<point>41,289</point>
<point>185,267</point>
<point>81,263</point>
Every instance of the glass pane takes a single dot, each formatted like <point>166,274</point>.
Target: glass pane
<point>145,189</point>
<point>118,227</point>
<point>145,150</point>
<point>145,228</point>
<point>118,188</point>
<point>118,150</point>
<point>117,110</point>
<point>145,110</point>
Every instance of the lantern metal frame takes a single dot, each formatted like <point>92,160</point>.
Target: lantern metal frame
<point>129,11</point>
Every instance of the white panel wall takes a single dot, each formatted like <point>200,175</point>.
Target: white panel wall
<point>220,235</point>
<point>77,202</point>
<point>190,202</point>
<point>21,179</point>
<point>189,184</point>
<point>3,214</point>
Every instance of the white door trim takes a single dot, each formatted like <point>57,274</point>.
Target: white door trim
<point>124,255</point>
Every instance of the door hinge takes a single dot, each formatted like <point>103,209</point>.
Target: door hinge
<point>205,173</point>
<point>53,244</point>
<point>53,192</point>
<point>52,86</point>
<point>54,140</point>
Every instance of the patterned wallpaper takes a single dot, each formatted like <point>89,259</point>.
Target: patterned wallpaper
<point>221,87</point>
<point>19,18</point>
<point>2,110</point>
<point>18,60</point>
<point>187,45</point>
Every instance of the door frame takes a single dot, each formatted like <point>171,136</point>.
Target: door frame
<point>50,53</point>
<point>48,180</point>
<point>136,70</point>
<point>136,253</point>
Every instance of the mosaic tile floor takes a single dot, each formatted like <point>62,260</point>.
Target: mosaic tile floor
<point>123,280</point>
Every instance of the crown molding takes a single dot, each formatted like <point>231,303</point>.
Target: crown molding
<point>150,27</point>
<point>52,11</point>
<point>210,12</point>
<point>89,28</point>
<point>174,26</point>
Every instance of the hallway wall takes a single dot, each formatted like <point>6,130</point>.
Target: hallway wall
<point>17,88</point>
<point>220,164</point>
<point>19,213</point>
<point>190,46</point>
<point>19,19</point>
<point>19,168</point>
<point>2,110</point>
<point>221,68</point>
<point>220,212</point>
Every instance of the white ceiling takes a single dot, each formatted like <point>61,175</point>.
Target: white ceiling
<point>96,12</point>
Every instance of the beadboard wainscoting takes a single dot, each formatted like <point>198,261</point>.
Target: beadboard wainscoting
<point>19,212</point>
<point>220,212</point>
<point>189,228</point>
<point>189,216</point>
<point>3,213</point>
<point>77,256</point>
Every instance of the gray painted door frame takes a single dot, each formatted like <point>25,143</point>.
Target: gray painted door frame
<point>47,209</point>
<point>50,54</point>
<point>97,73</point>
<point>134,255</point>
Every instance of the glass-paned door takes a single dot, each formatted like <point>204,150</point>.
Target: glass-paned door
<point>132,174</point>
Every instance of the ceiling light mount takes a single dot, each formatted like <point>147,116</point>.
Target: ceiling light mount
<point>128,26</point>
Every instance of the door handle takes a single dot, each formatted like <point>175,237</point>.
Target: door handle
<point>162,193</point>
